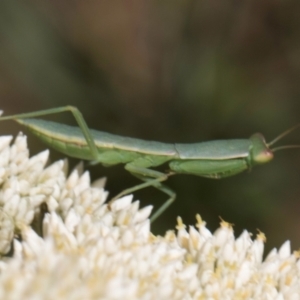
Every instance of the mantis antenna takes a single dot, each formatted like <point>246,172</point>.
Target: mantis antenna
<point>282,135</point>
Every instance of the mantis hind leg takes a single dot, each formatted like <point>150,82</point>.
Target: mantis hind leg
<point>75,112</point>
<point>151,178</point>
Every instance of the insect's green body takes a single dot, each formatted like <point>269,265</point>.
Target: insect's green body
<point>213,159</point>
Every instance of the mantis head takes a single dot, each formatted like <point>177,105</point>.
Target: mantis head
<point>262,152</point>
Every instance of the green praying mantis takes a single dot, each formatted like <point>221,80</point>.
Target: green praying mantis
<point>211,159</point>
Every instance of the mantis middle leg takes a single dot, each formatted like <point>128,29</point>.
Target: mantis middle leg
<point>150,178</point>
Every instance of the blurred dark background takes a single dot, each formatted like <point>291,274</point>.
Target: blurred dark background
<point>173,71</point>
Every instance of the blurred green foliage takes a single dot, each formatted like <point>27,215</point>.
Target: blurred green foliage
<point>172,71</point>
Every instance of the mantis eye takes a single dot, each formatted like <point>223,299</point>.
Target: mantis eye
<point>263,157</point>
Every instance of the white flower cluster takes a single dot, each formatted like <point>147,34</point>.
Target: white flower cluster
<point>59,240</point>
